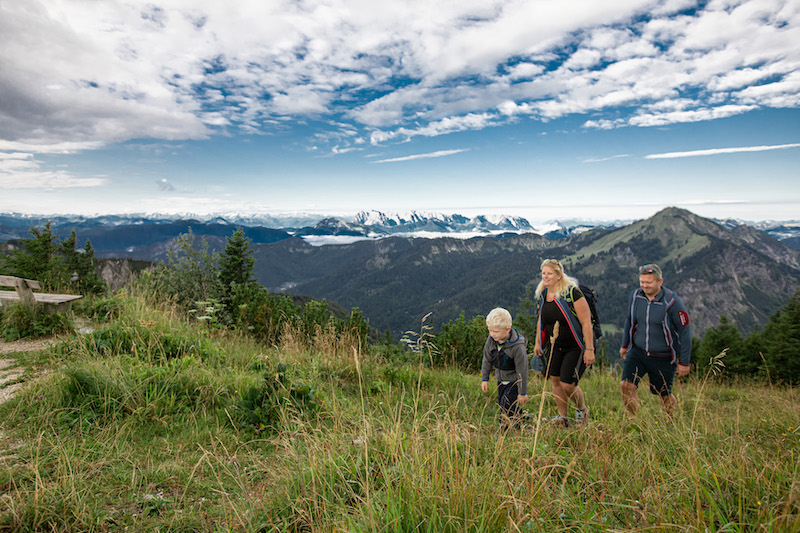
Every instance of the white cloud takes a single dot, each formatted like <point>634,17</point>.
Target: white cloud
<point>601,159</point>
<point>433,129</point>
<point>89,73</point>
<point>717,151</point>
<point>441,153</point>
<point>19,170</point>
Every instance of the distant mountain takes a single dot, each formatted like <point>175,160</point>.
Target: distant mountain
<point>332,230</point>
<point>140,239</point>
<point>396,277</point>
<point>740,272</point>
<point>416,222</point>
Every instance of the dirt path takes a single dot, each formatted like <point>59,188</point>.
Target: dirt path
<point>10,371</point>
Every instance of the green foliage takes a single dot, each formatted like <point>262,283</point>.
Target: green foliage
<point>356,324</point>
<point>219,291</point>
<point>57,265</point>
<point>265,406</point>
<point>19,321</point>
<point>208,313</point>
<point>526,318</point>
<point>262,314</point>
<point>102,309</point>
<point>190,274</point>
<point>147,343</point>
<point>770,353</point>
<point>739,359</point>
<point>112,439</point>
<point>779,343</point>
<point>100,394</point>
<point>461,343</point>
<point>236,264</point>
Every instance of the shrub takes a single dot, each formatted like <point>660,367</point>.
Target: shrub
<point>264,406</point>
<point>142,342</point>
<point>461,342</point>
<point>19,321</point>
<point>101,310</point>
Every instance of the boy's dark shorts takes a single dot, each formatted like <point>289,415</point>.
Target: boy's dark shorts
<point>659,370</point>
<point>567,364</point>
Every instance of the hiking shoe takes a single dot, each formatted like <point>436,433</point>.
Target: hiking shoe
<point>560,421</point>
<point>581,417</point>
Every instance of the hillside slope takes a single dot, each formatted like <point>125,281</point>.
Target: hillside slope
<point>741,273</point>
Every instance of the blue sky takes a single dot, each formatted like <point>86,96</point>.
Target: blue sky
<point>541,109</point>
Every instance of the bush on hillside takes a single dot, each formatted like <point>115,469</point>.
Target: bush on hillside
<point>461,343</point>
<point>264,407</point>
<point>18,321</point>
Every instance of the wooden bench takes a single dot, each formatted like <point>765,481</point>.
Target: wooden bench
<point>23,292</point>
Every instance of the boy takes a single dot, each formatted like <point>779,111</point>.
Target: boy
<point>505,351</point>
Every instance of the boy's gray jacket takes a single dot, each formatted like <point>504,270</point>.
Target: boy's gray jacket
<point>509,359</point>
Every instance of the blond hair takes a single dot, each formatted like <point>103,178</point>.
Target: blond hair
<point>564,283</point>
<point>498,318</point>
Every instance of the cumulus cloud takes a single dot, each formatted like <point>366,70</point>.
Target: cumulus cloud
<point>91,73</point>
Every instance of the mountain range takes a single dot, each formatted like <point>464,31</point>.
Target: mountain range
<point>386,266</point>
<point>117,233</point>
<point>742,272</point>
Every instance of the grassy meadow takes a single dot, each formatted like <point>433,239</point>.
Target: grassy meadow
<point>153,424</point>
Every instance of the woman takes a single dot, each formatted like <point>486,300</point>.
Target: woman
<point>561,302</point>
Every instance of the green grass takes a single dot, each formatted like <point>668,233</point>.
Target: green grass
<point>142,426</point>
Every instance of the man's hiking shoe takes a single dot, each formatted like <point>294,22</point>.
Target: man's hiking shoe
<point>560,421</point>
<point>581,417</point>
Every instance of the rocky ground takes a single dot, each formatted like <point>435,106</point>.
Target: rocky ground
<point>10,371</point>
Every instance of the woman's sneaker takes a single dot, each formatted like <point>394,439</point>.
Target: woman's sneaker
<point>581,417</point>
<point>560,421</point>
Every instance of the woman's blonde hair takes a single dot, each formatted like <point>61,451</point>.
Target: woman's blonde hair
<point>563,285</point>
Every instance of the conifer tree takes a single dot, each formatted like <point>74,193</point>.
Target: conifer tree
<point>37,258</point>
<point>738,360</point>
<point>236,265</point>
<point>779,343</point>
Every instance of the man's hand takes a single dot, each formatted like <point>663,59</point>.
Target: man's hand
<point>683,370</point>
<point>522,399</point>
<point>623,352</point>
<point>537,350</point>
<point>588,357</point>
<point>485,386</point>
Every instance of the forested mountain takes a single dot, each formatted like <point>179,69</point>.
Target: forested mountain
<point>717,268</point>
<point>741,273</point>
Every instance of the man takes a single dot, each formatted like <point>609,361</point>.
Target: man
<point>657,335</point>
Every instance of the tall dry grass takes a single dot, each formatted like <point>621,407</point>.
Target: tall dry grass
<point>134,440</point>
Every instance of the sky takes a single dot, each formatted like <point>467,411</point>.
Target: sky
<point>536,108</point>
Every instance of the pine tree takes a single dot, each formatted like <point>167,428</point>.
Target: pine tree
<point>37,258</point>
<point>726,336</point>
<point>236,265</point>
<point>780,343</point>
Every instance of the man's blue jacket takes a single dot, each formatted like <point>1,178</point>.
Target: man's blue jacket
<point>659,328</point>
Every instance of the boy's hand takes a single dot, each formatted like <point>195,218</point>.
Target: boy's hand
<point>485,386</point>
<point>522,399</point>
<point>537,350</point>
